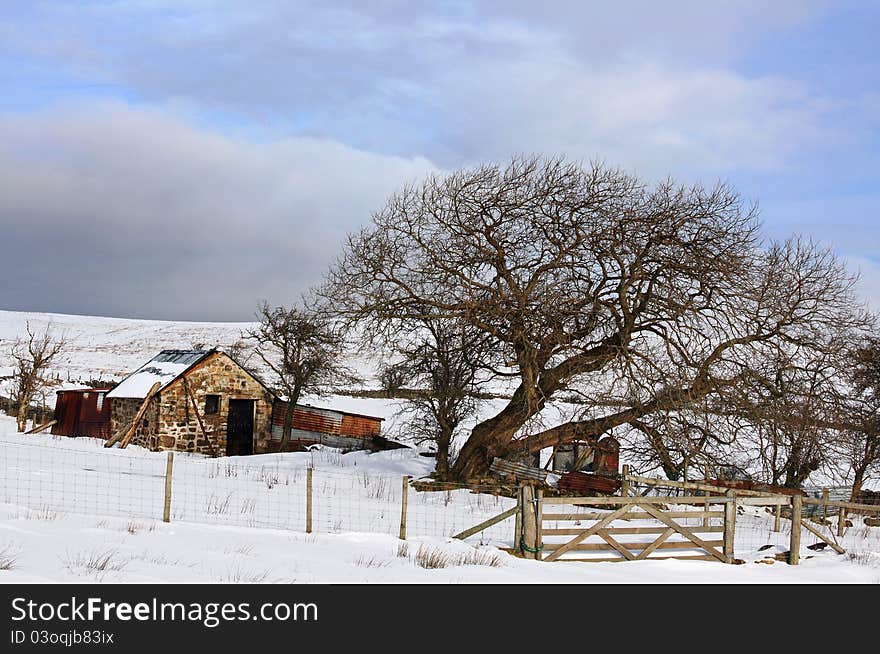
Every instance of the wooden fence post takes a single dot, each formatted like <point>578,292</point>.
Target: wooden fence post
<point>308,500</point>
<point>729,527</point>
<point>624,483</point>
<point>402,534</point>
<point>826,495</point>
<point>841,520</point>
<point>539,523</point>
<point>166,514</point>
<point>530,524</point>
<point>777,518</point>
<point>794,555</point>
<point>517,527</point>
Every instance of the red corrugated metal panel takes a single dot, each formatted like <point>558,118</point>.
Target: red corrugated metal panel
<point>581,482</point>
<point>83,412</point>
<point>309,418</point>
<point>360,426</point>
<point>66,413</point>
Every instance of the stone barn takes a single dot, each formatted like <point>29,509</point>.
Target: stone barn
<point>206,403</point>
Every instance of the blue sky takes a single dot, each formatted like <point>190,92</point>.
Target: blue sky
<point>179,154</point>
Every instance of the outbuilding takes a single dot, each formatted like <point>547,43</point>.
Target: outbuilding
<point>206,402</point>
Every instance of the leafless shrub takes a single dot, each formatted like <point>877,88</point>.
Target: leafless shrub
<point>9,554</point>
<point>244,550</point>
<point>95,562</point>
<point>478,557</point>
<point>403,550</point>
<point>371,562</point>
<point>431,558</point>
<point>235,574</point>
<point>218,506</point>
<point>43,513</point>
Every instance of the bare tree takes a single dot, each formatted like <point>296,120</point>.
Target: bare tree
<point>304,352</point>
<point>653,299</point>
<point>33,356</point>
<point>862,442</point>
<point>444,360</point>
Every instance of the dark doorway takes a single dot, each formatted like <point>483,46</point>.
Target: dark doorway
<point>240,428</point>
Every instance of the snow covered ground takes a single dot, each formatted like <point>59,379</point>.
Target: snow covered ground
<point>73,511</point>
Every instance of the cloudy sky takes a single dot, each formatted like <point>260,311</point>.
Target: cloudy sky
<point>182,159</point>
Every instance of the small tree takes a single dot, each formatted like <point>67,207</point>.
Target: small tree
<point>32,357</point>
<point>444,361</point>
<point>303,351</point>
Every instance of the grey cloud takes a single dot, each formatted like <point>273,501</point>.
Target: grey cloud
<point>108,209</point>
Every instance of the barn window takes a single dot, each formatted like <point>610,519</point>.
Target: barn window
<point>212,404</point>
<point>100,403</point>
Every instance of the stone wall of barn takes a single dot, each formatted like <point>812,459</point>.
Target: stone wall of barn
<point>217,375</point>
<point>122,413</point>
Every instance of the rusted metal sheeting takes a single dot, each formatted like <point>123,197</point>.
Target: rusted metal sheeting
<point>328,421</point>
<point>82,412</point>
<point>518,471</point>
<point>582,482</point>
<point>309,418</point>
<point>360,426</point>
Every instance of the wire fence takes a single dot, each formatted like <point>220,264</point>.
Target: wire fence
<point>238,492</point>
<point>82,477</point>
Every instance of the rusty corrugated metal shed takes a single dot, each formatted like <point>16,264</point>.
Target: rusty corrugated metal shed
<point>82,412</point>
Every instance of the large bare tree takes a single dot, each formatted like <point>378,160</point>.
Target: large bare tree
<point>32,357</point>
<point>652,298</point>
<point>303,350</point>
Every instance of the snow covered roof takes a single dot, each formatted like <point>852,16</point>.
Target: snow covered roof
<point>164,368</point>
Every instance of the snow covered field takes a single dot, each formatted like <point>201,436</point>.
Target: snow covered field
<point>73,511</point>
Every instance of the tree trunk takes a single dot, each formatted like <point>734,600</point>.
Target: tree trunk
<point>288,423</point>
<point>858,480</point>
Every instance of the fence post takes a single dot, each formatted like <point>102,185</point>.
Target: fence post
<point>308,500</point>
<point>530,531</point>
<point>517,527</point>
<point>841,520</point>
<point>826,495</point>
<point>729,526</point>
<point>777,518</point>
<point>794,555</point>
<point>166,514</point>
<point>624,484</point>
<point>403,508</point>
<point>539,523</point>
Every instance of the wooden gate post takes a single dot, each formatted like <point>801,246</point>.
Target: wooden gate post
<point>841,521</point>
<point>624,482</point>
<point>826,495</point>
<point>530,523</point>
<point>729,526</point>
<point>794,547</point>
<point>308,500</point>
<point>166,513</point>
<point>517,527</point>
<point>777,518</point>
<point>402,534</point>
<point>539,523</point>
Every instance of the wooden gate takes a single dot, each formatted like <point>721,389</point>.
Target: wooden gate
<point>635,528</point>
